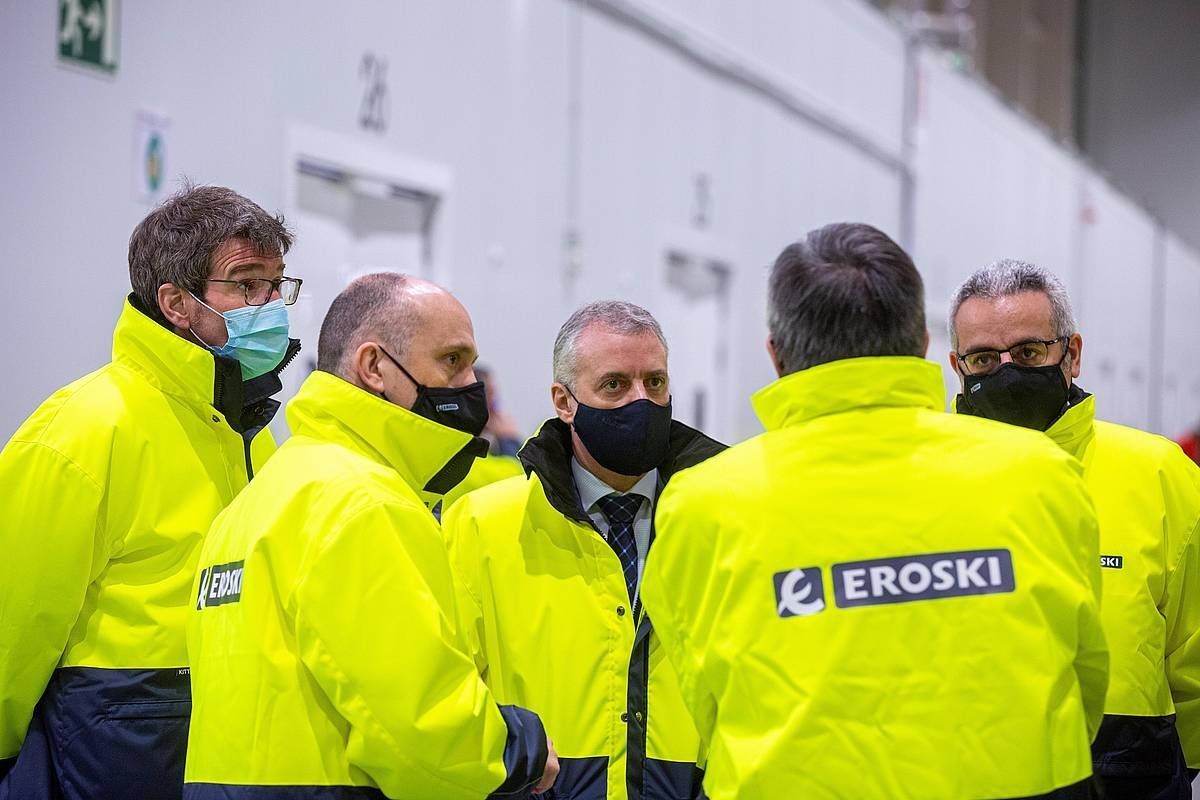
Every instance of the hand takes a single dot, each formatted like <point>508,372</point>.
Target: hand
<point>551,771</point>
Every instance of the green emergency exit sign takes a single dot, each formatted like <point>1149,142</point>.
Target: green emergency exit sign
<point>88,34</point>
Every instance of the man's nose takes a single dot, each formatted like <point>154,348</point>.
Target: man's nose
<point>1005,357</point>
<point>464,378</point>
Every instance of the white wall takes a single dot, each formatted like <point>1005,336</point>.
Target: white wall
<point>991,184</point>
<point>1181,384</point>
<point>550,116</point>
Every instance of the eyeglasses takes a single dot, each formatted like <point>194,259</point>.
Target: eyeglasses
<point>258,291</point>
<point>1033,353</point>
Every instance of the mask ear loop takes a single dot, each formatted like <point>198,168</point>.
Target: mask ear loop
<point>213,310</point>
<point>577,403</point>
<point>399,366</point>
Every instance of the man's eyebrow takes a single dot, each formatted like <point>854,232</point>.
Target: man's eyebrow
<point>989,348</point>
<point>458,347</point>
<point>247,267</point>
<point>251,266</point>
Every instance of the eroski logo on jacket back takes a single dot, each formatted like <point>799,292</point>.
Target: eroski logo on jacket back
<point>220,584</point>
<point>899,579</point>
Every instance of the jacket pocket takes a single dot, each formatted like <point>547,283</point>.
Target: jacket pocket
<point>147,709</point>
<point>119,734</point>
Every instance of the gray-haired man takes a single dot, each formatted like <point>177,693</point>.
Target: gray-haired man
<point>1017,352</point>
<point>548,567</point>
<point>108,489</point>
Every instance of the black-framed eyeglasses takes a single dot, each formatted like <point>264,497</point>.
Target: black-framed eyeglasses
<point>1033,353</point>
<point>258,291</point>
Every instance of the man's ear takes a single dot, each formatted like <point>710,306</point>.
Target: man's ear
<point>365,364</point>
<point>173,304</point>
<point>775,362</point>
<point>1075,348</point>
<point>925,348</point>
<point>561,399</point>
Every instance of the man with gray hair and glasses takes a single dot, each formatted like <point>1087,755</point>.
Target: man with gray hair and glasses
<point>872,599</point>
<point>549,566</point>
<point>108,490</point>
<point>1017,352</point>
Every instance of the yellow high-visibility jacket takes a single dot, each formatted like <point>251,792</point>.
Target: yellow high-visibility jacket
<point>875,600</point>
<point>548,616</point>
<point>107,491</point>
<point>325,656</point>
<point>1147,497</point>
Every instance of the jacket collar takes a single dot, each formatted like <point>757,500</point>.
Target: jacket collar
<point>1074,430</point>
<point>195,375</point>
<point>430,458</point>
<point>848,384</point>
<point>548,454</point>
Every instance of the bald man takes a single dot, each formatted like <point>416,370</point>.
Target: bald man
<point>325,658</point>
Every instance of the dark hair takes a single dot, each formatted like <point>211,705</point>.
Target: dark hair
<point>372,307</point>
<point>176,241</point>
<point>846,290</point>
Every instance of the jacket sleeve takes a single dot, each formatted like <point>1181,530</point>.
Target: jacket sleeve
<point>1091,655</point>
<point>1181,608</point>
<point>52,543</point>
<point>373,610</point>
<point>462,539</point>
<point>678,574</point>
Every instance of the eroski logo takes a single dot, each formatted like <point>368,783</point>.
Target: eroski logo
<point>922,577</point>
<point>799,592</point>
<point>220,584</point>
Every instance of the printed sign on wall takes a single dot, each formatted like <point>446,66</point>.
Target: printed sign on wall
<point>88,34</point>
<point>150,156</point>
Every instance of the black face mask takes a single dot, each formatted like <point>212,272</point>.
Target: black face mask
<point>464,409</point>
<point>629,440</point>
<point>1032,397</point>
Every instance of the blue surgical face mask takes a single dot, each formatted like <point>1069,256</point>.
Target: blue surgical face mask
<point>258,336</point>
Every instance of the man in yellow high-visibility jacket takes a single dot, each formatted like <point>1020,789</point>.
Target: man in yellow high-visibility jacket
<point>107,491</point>
<point>1017,352</point>
<point>326,662</point>
<point>876,600</point>
<point>548,567</point>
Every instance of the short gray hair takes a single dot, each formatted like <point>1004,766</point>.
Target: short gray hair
<point>616,316</point>
<point>175,242</point>
<point>844,291</point>
<point>373,307</point>
<point>1007,277</point>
